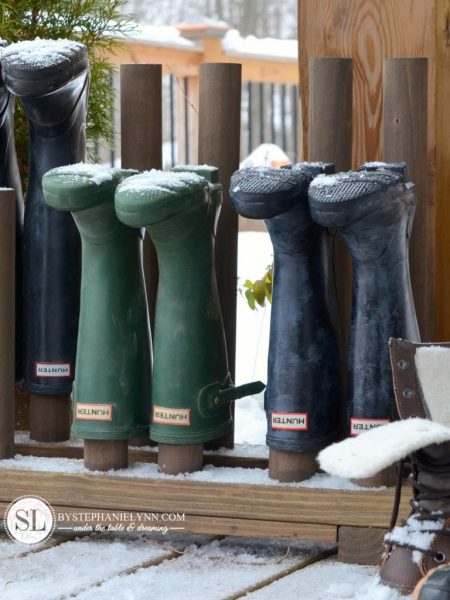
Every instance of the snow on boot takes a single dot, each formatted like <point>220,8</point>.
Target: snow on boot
<point>51,79</point>
<point>302,396</point>
<point>373,212</point>
<point>10,178</point>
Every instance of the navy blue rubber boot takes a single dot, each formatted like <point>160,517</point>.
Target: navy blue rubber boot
<point>51,79</point>
<point>302,395</point>
<point>10,178</point>
<point>373,211</point>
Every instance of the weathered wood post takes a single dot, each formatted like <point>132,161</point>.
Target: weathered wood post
<point>7,320</point>
<point>330,140</point>
<point>219,145</point>
<point>405,135</point>
<point>141,149</point>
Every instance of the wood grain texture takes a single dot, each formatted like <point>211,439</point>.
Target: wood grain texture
<point>369,31</point>
<point>360,545</point>
<point>405,82</point>
<point>440,102</point>
<point>255,502</point>
<point>73,515</point>
<point>7,319</point>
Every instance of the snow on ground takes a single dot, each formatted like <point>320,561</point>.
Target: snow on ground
<point>252,341</point>
<point>329,580</point>
<point>210,473</point>
<point>72,566</point>
<point>265,155</point>
<point>213,572</point>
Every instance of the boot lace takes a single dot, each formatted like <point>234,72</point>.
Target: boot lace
<point>421,520</point>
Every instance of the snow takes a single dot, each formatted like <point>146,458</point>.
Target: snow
<point>163,181</point>
<point>370,452</point>
<point>329,580</point>
<point>68,568</point>
<point>210,473</point>
<point>325,180</point>
<point>160,35</point>
<point>265,155</point>
<point>215,571</point>
<point>234,43</point>
<point>413,533</point>
<point>40,54</point>
<point>96,174</point>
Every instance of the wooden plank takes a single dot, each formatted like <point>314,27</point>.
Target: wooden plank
<point>137,455</point>
<point>73,516</point>
<point>440,103</point>
<point>361,545</point>
<point>255,502</point>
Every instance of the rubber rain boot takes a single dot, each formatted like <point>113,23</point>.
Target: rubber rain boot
<point>192,388</point>
<point>434,586</point>
<point>51,79</point>
<point>112,390</point>
<point>10,178</point>
<point>373,211</point>
<point>302,395</point>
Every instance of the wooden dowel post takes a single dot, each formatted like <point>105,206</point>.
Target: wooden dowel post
<point>7,320</point>
<point>56,425</point>
<point>104,455</point>
<point>405,136</point>
<point>141,135</point>
<point>219,145</point>
<point>330,140</point>
<point>174,459</point>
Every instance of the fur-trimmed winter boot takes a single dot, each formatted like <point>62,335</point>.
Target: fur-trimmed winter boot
<point>421,377</point>
<point>373,211</point>
<point>302,396</point>
<point>10,178</point>
<point>51,79</point>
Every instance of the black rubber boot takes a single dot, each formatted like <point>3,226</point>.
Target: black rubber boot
<point>435,587</point>
<point>302,395</point>
<point>373,211</point>
<point>10,178</point>
<point>51,78</point>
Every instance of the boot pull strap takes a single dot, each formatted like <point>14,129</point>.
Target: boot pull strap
<point>214,396</point>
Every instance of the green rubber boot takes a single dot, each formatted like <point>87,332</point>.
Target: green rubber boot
<point>192,388</point>
<point>112,389</point>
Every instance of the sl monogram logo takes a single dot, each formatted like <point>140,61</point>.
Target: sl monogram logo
<point>29,520</point>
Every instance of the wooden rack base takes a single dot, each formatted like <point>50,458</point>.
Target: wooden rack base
<point>251,510</point>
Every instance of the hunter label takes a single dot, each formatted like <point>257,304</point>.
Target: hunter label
<point>47,369</point>
<point>172,416</point>
<point>358,426</point>
<point>93,412</point>
<point>290,421</point>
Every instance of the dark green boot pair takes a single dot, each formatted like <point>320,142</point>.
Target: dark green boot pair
<point>192,388</point>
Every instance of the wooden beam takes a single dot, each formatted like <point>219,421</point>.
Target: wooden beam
<point>239,501</point>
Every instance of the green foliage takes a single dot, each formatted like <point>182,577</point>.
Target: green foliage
<point>258,292</point>
<point>92,22</point>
